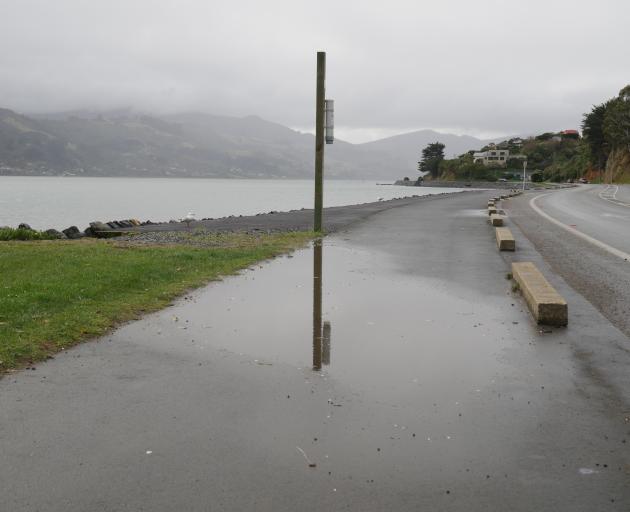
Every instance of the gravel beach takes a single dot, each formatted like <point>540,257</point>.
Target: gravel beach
<point>335,218</point>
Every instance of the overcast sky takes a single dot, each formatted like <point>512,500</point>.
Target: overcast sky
<point>484,67</point>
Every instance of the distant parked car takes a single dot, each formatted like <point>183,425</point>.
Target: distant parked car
<point>583,180</point>
<point>502,179</point>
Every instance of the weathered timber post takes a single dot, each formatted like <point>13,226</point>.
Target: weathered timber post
<point>320,97</point>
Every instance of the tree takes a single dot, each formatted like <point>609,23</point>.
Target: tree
<point>432,155</point>
<point>593,130</point>
<point>617,120</point>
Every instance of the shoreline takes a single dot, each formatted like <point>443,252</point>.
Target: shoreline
<point>335,218</point>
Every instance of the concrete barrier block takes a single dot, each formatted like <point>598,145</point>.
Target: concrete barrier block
<point>544,302</point>
<point>505,239</point>
<point>491,210</point>
<point>496,220</point>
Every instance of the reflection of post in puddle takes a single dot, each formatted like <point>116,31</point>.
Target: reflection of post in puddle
<point>326,343</point>
<point>321,333</point>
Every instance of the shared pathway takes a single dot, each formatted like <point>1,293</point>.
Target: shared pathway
<point>429,387</point>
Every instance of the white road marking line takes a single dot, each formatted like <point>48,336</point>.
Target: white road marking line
<point>612,198</point>
<point>608,248</point>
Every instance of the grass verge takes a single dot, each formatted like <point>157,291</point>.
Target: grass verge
<point>23,234</point>
<point>56,294</point>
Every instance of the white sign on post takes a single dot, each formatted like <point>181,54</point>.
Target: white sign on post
<point>329,121</point>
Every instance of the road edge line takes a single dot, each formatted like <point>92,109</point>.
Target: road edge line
<point>608,248</point>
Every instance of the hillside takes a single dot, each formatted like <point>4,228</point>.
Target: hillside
<point>550,156</point>
<point>124,143</point>
<point>408,145</point>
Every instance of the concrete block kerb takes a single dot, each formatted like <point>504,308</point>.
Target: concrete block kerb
<point>505,239</point>
<point>496,220</point>
<point>544,302</point>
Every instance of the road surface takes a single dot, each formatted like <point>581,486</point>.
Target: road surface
<point>436,390</point>
<point>584,233</point>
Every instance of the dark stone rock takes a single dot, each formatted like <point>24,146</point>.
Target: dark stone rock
<point>73,232</point>
<point>25,226</point>
<point>107,234</point>
<point>111,224</point>
<point>55,233</point>
<point>99,226</point>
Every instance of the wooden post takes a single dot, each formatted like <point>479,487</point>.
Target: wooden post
<point>319,140</point>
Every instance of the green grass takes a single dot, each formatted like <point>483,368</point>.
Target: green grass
<point>55,294</point>
<point>23,234</point>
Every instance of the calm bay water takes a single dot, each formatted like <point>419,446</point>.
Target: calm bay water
<point>56,202</point>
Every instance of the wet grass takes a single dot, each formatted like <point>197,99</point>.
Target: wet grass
<point>56,294</point>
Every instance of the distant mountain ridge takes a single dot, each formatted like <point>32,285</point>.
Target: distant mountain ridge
<point>127,143</point>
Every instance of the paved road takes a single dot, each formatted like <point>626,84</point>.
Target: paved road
<point>437,391</point>
<point>590,251</point>
<point>600,211</point>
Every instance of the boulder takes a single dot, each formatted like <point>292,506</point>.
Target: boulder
<point>25,226</point>
<point>135,222</point>
<point>73,232</point>
<point>54,233</point>
<point>99,226</point>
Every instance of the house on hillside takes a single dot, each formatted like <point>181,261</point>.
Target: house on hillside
<point>492,157</point>
<point>570,134</point>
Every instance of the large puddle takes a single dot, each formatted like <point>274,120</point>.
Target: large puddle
<point>349,314</point>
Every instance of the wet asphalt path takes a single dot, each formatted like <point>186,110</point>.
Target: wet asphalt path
<point>436,390</point>
<point>335,218</point>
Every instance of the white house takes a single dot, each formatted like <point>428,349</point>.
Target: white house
<point>492,157</point>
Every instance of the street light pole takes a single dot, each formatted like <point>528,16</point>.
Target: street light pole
<point>524,167</point>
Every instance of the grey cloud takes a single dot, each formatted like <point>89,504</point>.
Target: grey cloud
<point>484,66</point>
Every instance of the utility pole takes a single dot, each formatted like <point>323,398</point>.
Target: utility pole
<point>320,98</point>
<point>524,167</point>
